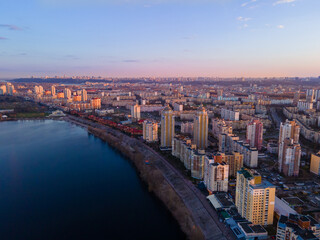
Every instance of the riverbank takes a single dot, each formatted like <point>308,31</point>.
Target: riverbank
<point>194,214</point>
<point>32,118</point>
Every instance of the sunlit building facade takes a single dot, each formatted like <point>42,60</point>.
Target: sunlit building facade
<point>167,127</point>
<point>255,198</point>
<point>200,128</point>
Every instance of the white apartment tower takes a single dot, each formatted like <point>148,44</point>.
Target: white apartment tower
<point>289,148</point>
<point>135,112</point>
<point>150,131</point>
<point>216,176</point>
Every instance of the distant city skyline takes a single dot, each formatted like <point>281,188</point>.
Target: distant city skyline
<point>160,38</point>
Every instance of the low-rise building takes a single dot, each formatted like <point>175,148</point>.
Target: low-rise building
<point>298,227</point>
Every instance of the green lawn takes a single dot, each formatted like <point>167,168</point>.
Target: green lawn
<point>30,115</point>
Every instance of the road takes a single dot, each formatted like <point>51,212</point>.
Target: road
<point>275,117</point>
<point>227,233</point>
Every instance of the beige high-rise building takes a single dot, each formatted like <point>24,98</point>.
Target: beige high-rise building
<point>255,198</point>
<point>167,127</point>
<point>289,148</point>
<point>150,131</point>
<point>200,128</point>
<point>10,89</point>
<point>315,163</point>
<point>3,89</point>
<point>95,103</point>
<point>53,90</point>
<point>234,160</point>
<point>38,90</point>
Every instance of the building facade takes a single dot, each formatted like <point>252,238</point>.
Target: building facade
<point>167,127</point>
<point>197,164</point>
<point>233,159</point>
<point>289,149</point>
<point>150,131</point>
<point>298,227</point>
<point>136,112</point>
<point>95,103</point>
<point>255,198</point>
<point>200,128</point>
<point>315,163</point>
<point>216,177</point>
<point>230,114</point>
<point>255,134</point>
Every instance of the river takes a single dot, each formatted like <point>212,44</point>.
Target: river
<point>59,182</point>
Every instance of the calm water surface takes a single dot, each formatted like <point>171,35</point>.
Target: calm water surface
<point>59,182</point>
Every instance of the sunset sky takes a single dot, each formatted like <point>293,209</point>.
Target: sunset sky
<point>121,38</point>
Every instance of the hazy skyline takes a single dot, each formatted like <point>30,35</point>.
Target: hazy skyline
<point>218,38</point>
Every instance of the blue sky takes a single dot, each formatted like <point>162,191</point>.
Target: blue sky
<point>219,38</point>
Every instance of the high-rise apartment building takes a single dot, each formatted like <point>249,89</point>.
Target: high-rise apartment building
<point>255,134</point>
<point>219,126</point>
<point>255,198</point>
<point>38,90</point>
<point>53,90</point>
<point>216,177</point>
<point>84,95</point>
<point>220,94</point>
<point>136,112</point>
<point>167,127</point>
<point>296,97</point>
<point>197,164</point>
<point>315,163</point>
<point>67,93</point>
<point>310,95</point>
<point>150,131</point>
<point>304,105</point>
<point>230,114</point>
<point>10,89</point>
<point>200,128</point>
<point>317,94</point>
<point>234,160</point>
<point>95,103</point>
<point>289,148</point>
<point>3,90</point>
